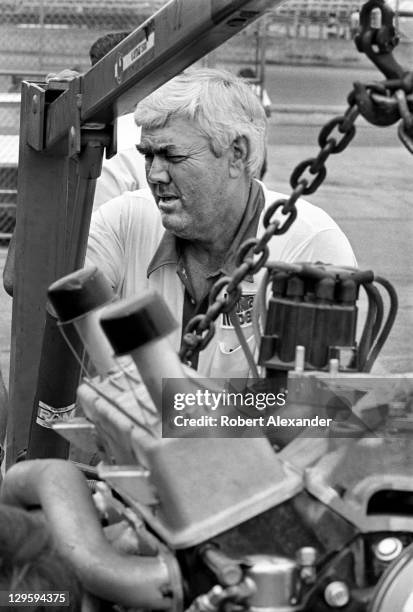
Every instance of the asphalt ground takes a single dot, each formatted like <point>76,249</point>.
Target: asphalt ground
<point>314,85</point>
<point>367,191</point>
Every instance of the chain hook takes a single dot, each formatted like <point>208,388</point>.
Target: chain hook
<point>377,37</point>
<point>375,108</point>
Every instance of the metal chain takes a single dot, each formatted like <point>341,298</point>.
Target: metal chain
<point>253,253</point>
<point>405,128</point>
<point>381,103</point>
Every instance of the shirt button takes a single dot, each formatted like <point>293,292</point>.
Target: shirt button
<point>192,301</point>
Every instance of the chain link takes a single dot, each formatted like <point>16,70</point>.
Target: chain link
<point>405,128</point>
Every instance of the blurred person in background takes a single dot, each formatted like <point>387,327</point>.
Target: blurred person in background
<point>4,406</point>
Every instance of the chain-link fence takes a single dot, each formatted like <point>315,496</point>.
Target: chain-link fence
<point>314,32</point>
<point>42,36</point>
<point>9,144</point>
<point>38,37</point>
<point>315,19</point>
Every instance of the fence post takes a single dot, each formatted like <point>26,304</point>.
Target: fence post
<point>41,33</point>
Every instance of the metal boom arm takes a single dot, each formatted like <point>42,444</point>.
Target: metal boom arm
<point>60,159</point>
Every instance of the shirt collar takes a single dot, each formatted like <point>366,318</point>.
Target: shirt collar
<point>166,253</point>
<point>170,246</point>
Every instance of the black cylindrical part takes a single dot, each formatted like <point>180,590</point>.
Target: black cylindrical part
<point>80,292</point>
<point>133,322</point>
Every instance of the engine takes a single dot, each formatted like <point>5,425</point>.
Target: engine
<point>311,521</point>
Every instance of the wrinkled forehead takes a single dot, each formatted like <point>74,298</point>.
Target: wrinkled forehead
<point>177,131</point>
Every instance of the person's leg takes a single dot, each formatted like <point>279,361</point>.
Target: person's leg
<point>8,280</point>
<point>4,406</point>
<point>8,272</point>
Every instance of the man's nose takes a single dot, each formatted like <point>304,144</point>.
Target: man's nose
<point>157,170</point>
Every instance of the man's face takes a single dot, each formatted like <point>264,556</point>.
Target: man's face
<point>190,184</point>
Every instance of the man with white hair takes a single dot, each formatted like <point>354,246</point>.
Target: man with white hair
<point>203,139</point>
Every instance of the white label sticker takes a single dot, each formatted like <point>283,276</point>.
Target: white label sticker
<point>125,61</point>
<point>47,415</point>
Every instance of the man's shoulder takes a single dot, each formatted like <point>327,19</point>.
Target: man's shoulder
<point>133,202</point>
<point>308,215</point>
<point>131,211</point>
<point>314,235</point>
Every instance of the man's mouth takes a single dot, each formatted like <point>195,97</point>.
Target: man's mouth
<point>165,202</point>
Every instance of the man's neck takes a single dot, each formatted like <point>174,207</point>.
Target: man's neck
<point>210,251</point>
<point>208,256</point>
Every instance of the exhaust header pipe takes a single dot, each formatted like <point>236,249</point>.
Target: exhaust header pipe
<point>63,494</point>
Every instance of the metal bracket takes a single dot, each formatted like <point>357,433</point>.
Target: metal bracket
<point>78,431</point>
<point>66,104</point>
<point>35,132</point>
<point>41,109</point>
<point>130,481</point>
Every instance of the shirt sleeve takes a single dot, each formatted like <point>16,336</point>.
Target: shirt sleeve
<point>329,246</point>
<point>123,172</point>
<point>313,237</point>
<point>106,245</point>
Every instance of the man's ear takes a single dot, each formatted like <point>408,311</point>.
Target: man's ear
<point>240,151</point>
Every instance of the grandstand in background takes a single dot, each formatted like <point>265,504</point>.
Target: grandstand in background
<point>42,36</point>
<point>119,14</point>
<point>316,18</point>
<point>110,14</point>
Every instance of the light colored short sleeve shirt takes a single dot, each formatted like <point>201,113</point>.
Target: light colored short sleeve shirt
<point>126,232</point>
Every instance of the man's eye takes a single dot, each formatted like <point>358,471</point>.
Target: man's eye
<point>175,159</point>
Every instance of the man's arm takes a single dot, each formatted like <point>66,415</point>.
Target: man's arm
<point>8,270</point>
<point>313,237</point>
<point>328,246</point>
<point>4,405</point>
<point>106,245</point>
